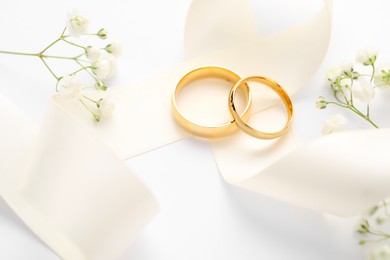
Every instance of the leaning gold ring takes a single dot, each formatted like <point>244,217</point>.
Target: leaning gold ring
<point>205,131</point>
<point>241,122</point>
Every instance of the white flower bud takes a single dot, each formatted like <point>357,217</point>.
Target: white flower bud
<point>69,87</point>
<point>382,75</point>
<point>101,68</point>
<point>93,53</point>
<point>106,107</point>
<point>333,124</point>
<point>346,69</point>
<point>367,56</point>
<point>333,74</point>
<point>321,103</point>
<point>114,48</point>
<point>100,85</point>
<point>102,33</point>
<point>77,23</point>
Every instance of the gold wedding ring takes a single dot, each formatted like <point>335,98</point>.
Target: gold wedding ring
<point>205,131</point>
<point>241,122</point>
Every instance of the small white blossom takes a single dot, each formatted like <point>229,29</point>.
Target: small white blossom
<point>382,75</point>
<point>333,124</point>
<point>102,33</point>
<point>367,56</point>
<point>346,69</point>
<point>106,107</point>
<point>363,91</point>
<point>321,103</point>
<point>105,68</point>
<point>380,253</point>
<point>113,66</point>
<point>333,74</point>
<point>114,48</point>
<point>93,53</point>
<point>77,23</point>
<point>69,87</point>
<point>100,85</point>
<point>101,68</point>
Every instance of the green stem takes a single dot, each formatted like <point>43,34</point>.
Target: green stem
<point>337,98</point>
<point>87,107</point>
<point>350,93</point>
<point>72,43</point>
<point>90,99</point>
<point>50,45</point>
<point>356,111</point>
<point>367,118</point>
<point>90,73</point>
<point>337,104</point>
<point>77,71</point>
<point>58,57</point>
<point>48,67</point>
<point>63,32</point>
<point>91,34</point>
<point>96,116</point>
<point>19,53</point>
<point>373,72</point>
<point>345,96</point>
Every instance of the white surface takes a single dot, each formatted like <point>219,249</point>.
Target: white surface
<point>221,222</point>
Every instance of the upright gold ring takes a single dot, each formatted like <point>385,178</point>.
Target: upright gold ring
<point>241,122</point>
<point>206,131</point>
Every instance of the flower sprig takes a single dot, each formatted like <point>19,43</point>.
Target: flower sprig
<point>374,227</point>
<point>99,64</point>
<point>353,90</point>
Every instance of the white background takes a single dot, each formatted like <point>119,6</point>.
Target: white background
<point>221,221</point>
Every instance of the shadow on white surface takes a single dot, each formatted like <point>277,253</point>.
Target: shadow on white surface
<point>203,217</point>
<point>20,242</point>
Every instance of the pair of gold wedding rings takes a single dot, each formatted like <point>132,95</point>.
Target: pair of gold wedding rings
<point>239,120</point>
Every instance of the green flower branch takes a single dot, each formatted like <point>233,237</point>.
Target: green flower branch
<point>353,90</point>
<point>369,226</point>
<point>98,63</point>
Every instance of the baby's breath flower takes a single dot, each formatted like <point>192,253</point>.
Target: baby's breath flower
<point>333,124</point>
<point>103,65</point>
<point>101,68</point>
<point>333,74</point>
<point>106,107</point>
<point>77,23</point>
<point>364,227</point>
<point>367,56</point>
<point>114,48</point>
<point>346,69</point>
<point>380,253</point>
<point>69,87</point>
<point>382,75</point>
<point>100,85</point>
<point>113,65</point>
<point>92,53</point>
<point>321,103</point>
<point>102,33</point>
<point>364,91</point>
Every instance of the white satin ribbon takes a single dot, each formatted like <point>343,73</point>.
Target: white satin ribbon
<point>72,191</point>
<point>77,196</point>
